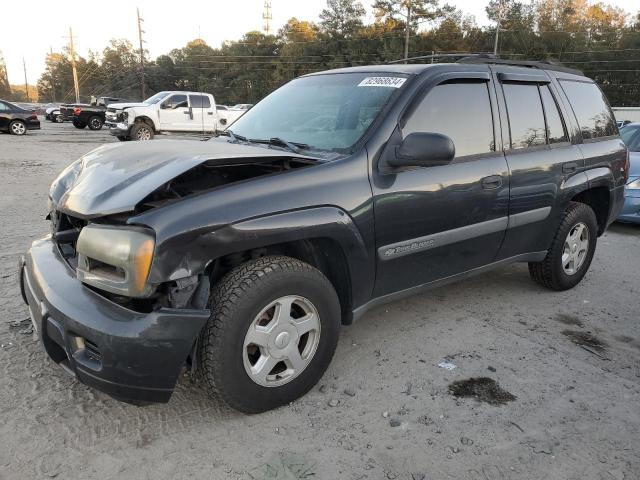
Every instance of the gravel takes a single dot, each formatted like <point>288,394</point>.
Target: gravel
<point>575,414</point>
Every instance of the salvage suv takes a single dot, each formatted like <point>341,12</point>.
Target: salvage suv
<point>241,257</point>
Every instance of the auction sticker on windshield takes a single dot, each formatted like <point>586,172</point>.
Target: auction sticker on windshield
<point>394,82</point>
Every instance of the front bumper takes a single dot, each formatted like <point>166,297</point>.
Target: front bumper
<point>631,209</point>
<point>129,355</point>
<point>117,129</point>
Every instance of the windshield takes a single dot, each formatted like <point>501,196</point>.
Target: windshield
<point>327,112</point>
<point>631,137</point>
<point>156,98</point>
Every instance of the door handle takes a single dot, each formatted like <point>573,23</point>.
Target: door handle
<point>209,113</point>
<point>570,167</point>
<point>491,182</point>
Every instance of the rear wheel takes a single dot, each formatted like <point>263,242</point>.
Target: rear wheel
<point>95,123</point>
<point>17,127</point>
<point>571,251</point>
<point>272,333</point>
<point>141,131</point>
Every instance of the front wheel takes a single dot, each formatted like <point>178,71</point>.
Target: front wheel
<point>272,333</point>
<point>17,127</point>
<point>571,251</point>
<point>141,131</point>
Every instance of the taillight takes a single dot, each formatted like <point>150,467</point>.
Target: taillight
<point>627,166</point>
<point>77,110</point>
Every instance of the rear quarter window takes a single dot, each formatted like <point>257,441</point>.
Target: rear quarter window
<point>591,109</point>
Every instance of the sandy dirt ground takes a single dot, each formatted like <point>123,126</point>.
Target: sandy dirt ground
<point>383,410</point>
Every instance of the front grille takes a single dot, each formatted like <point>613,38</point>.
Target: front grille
<point>65,230</point>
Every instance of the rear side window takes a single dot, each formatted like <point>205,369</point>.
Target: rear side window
<point>555,128</point>
<point>591,109</point>
<point>526,117</point>
<point>462,111</point>
<point>200,101</point>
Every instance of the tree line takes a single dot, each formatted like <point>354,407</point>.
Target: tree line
<point>599,39</point>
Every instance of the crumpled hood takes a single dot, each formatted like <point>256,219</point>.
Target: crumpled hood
<point>114,178</point>
<point>120,106</point>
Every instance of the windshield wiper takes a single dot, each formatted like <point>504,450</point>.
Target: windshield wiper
<point>233,136</point>
<point>294,147</point>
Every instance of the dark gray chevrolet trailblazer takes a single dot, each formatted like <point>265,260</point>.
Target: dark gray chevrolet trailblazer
<point>240,257</point>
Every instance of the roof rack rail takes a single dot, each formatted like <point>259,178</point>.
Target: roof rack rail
<point>541,64</point>
<point>442,55</point>
<point>495,60</point>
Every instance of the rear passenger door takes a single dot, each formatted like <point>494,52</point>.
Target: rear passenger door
<point>203,113</point>
<point>540,156</point>
<point>435,222</point>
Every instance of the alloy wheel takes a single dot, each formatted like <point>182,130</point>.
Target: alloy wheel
<point>18,128</point>
<point>281,341</point>
<point>576,247</point>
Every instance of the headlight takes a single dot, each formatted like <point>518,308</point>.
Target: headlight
<point>633,184</point>
<point>117,260</point>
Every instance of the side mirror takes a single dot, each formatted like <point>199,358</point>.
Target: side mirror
<point>424,150</point>
<point>164,105</point>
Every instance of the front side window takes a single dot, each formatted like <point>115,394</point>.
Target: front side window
<point>461,111</point>
<point>590,106</point>
<point>199,101</point>
<point>327,111</point>
<point>176,101</point>
<point>526,118</point>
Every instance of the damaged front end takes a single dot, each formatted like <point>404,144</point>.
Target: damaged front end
<point>93,200</point>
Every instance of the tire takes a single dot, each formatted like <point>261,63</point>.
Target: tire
<point>79,125</point>
<point>123,138</point>
<point>18,127</point>
<point>141,131</point>
<point>59,119</point>
<point>241,299</point>
<point>556,272</point>
<point>95,123</point>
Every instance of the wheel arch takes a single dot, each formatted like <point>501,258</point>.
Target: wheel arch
<point>147,120</point>
<point>325,237</point>
<point>593,188</point>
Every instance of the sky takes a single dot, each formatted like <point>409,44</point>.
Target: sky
<point>44,24</point>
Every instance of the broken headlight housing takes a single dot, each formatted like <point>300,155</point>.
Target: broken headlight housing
<point>116,260</point>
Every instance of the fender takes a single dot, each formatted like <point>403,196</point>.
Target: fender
<point>145,119</point>
<point>600,177</point>
<point>190,253</point>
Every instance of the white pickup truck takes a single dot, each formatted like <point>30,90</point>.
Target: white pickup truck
<point>164,112</point>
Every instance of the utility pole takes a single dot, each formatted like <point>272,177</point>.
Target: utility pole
<point>407,32</point>
<point>72,48</point>
<point>26,84</point>
<point>267,17</point>
<point>140,32</point>
<point>495,44</point>
<point>53,80</point>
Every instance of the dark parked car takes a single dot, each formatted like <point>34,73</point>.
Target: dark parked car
<point>631,210</point>
<point>242,256</point>
<point>93,116</point>
<point>17,120</point>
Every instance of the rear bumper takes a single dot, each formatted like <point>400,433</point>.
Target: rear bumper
<point>631,209</point>
<point>33,125</point>
<point>616,201</point>
<point>129,355</point>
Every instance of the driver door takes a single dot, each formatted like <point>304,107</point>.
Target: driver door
<point>439,221</point>
<point>175,114</point>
